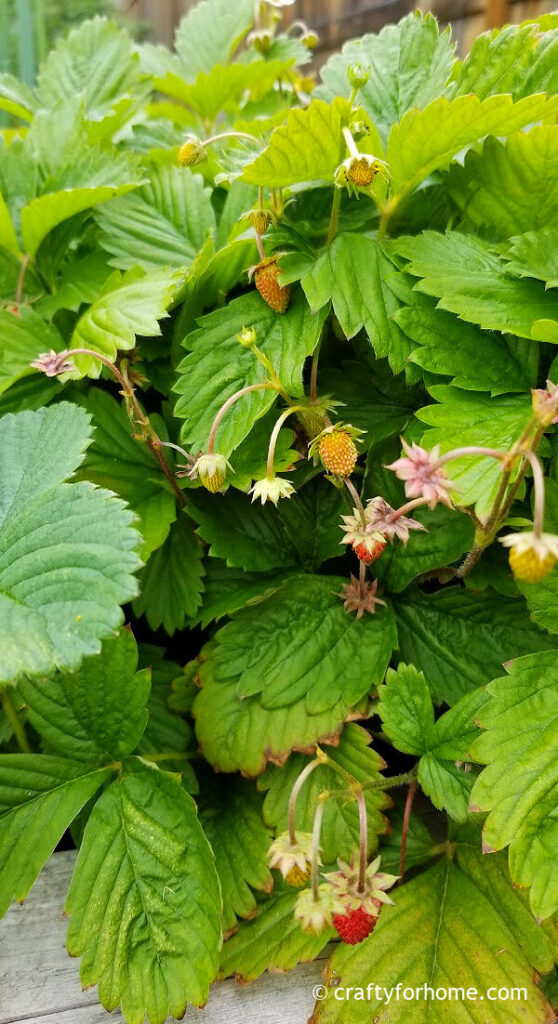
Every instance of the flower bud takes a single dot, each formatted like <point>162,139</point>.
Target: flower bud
<point>260,220</point>
<point>358,75</point>
<point>247,337</point>
<point>191,152</point>
<point>310,39</point>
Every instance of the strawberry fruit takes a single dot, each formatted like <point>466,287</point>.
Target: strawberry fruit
<point>266,277</point>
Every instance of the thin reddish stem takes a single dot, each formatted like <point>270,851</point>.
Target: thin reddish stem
<point>405,830</point>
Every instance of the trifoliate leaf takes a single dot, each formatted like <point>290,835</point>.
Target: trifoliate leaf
<point>308,147</point>
<point>273,941</point>
<point>469,279</point>
<point>231,817</point>
<point>460,639</point>
<point>356,277</point>
<point>79,282</point>
<point>510,187</point>
<point>39,798</point>
<point>241,734</point>
<point>97,61</point>
<point>459,925</point>
<point>144,899</point>
<point>450,346</point>
<point>299,636</point>
<point>171,584</point>
<point>210,33</point>
<point>97,714</point>
<point>52,537</point>
<point>499,62</point>
<point>407,714</point>
<point>409,63</point>
<point>218,366</point>
<point>163,224</point>
<point>228,589</point>
<point>519,786</point>
<point>467,418</point>
<point>534,255</point>
<point>340,826</point>
<point>124,464</point>
<point>425,140</point>
<point>225,87</point>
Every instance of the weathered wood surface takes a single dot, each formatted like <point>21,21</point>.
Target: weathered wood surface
<point>39,983</point>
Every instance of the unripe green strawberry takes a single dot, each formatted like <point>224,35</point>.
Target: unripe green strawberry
<point>297,877</point>
<point>260,220</point>
<point>528,566</point>
<point>361,173</point>
<point>266,276</point>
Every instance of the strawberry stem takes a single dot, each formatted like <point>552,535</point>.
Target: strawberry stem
<point>305,773</point>
<point>274,436</point>
<point>230,401</point>
<point>316,831</point>
<point>405,830</point>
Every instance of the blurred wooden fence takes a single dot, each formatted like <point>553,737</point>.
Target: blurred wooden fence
<point>338,20</point>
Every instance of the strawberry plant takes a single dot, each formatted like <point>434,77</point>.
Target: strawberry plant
<point>279,509</point>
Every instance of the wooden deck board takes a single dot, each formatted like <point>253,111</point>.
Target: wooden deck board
<point>39,982</point>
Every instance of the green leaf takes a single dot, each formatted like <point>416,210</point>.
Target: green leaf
<point>225,88</point>
<point>80,281</point>
<point>231,817</point>
<point>96,60</point>
<point>131,304</point>
<point>469,279</point>
<point>354,274</point>
<point>542,601</point>
<point>466,418</point>
<point>168,732</point>
<point>410,64</point>
<point>228,589</point>
<point>97,714</point>
<point>446,537</point>
<point>534,255</point>
<point>299,636</point>
<point>407,714</point>
<point>426,140</point>
<point>241,734</point>
<point>273,941</point>
<point>16,97</point>
<point>460,639</point>
<point>210,33</point>
<point>450,346</point>
<point>39,798</point>
<point>144,899</point>
<point>499,62</point>
<point>340,827</point>
<point>519,786</point>
<point>510,187</point>
<point>163,224</point>
<point>124,464</point>
<point>461,924</point>
<point>66,550</point>
<point>43,214</point>
<point>217,366</point>
<point>373,400</point>
<point>171,584</point>
<point>304,531</point>
<point>308,147</point>
<point>25,336</point>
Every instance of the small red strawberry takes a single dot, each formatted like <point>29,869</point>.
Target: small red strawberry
<point>367,555</point>
<point>356,925</point>
<point>266,276</point>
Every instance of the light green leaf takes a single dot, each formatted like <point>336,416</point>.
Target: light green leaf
<point>80,281</point>
<point>450,346</point>
<point>459,925</point>
<point>131,304</point>
<point>39,798</point>
<point>8,237</point>
<point>410,64</point>
<point>299,635</point>
<point>123,464</point>
<point>16,97</point>
<point>499,62</point>
<point>460,639</point>
<point>520,785</point>
<point>144,899</point>
<point>442,746</point>
<point>354,274</point>
<point>224,88</point>
<point>340,827</point>
<point>542,601</point>
<point>426,140</point>
<point>308,147</point>
<point>210,33</point>
<point>273,941</point>
<point>97,61</point>
<point>469,279</point>
<point>53,537</point>
<point>467,418</point>
<point>231,817</point>
<point>241,734</point>
<point>97,714</point>
<point>534,254</point>
<point>163,224</point>
<point>510,187</point>
<point>228,589</point>
<point>23,337</point>
<point>45,212</point>
<point>171,584</point>
<point>303,531</point>
<point>166,731</point>
<point>217,366</point>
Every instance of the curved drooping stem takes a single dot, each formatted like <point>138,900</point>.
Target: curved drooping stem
<point>316,832</point>
<point>363,844</point>
<point>264,385</point>
<point>356,498</point>
<point>230,135</point>
<point>405,830</point>
<point>407,507</point>
<point>274,436</point>
<point>351,144</point>
<point>305,773</point>
<point>459,453</point>
<point>538,484</point>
